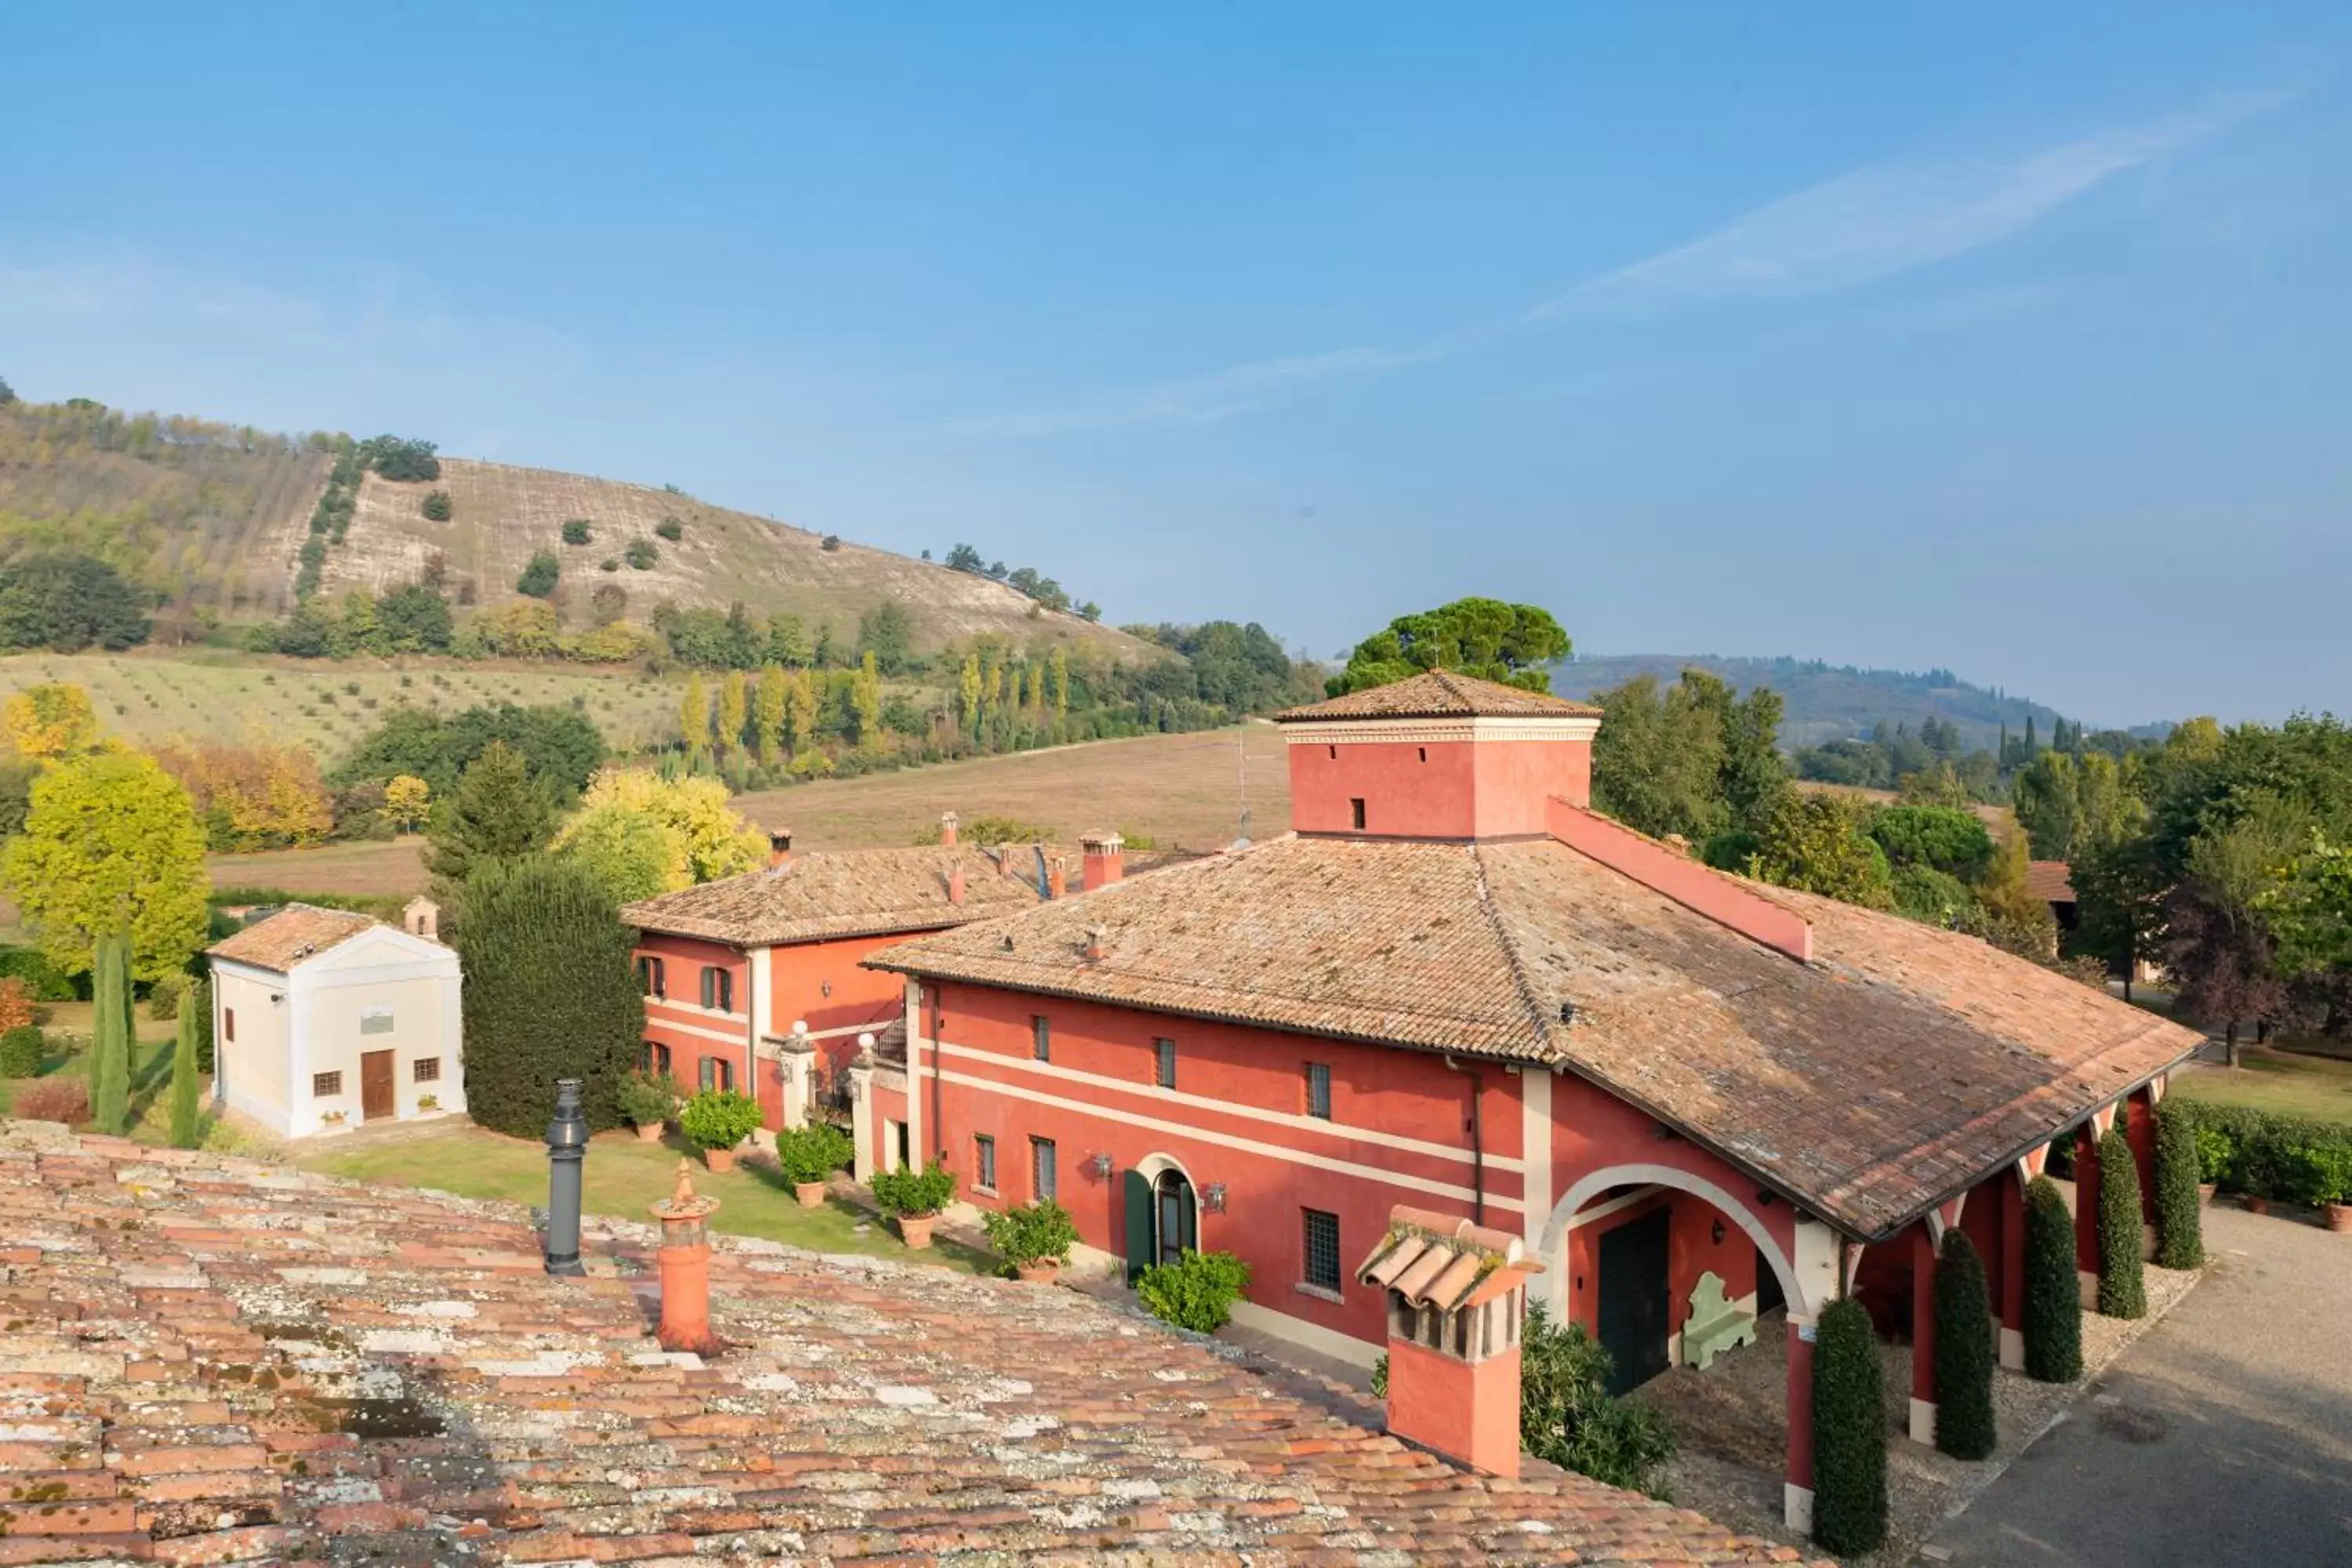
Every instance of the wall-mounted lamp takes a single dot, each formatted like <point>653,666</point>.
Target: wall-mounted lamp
<point>824,987</point>
<point>1213,1197</point>
<point>1101,1164</point>
<point>1763,1197</point>
<point>1718,1232</point>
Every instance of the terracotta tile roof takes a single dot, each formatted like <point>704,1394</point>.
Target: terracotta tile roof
<point>2051,881</point>
<point>214,1361</point>
<point>851,892</point>
<point>285,939</point>
<point>1901,1064</point>
<point>1442,694</point>
<point>1442,1261</point>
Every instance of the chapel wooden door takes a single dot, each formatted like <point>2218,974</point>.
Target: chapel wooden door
<point>376,1100</point>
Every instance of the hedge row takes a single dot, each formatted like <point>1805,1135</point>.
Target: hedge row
<point>2294,1158</point>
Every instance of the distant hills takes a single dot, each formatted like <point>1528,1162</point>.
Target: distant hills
<point>1826,701</point>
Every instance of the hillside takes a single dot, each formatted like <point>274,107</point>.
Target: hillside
<point>1827,702</point>
<point>214,517</point>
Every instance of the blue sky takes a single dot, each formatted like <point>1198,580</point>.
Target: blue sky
<point>2009,338</point>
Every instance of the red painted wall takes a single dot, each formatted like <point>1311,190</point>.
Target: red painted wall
<point>1401,1092</point>
<point>861,999</point>
<point>1454,789</point>
<point>1691,1252</point>
<point>669,1022</point>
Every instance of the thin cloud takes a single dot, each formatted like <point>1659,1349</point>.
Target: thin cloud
<point>1204,399</point>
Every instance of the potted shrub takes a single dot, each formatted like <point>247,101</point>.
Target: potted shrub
<point>2214,1149</point>
<point>647,1099</point>
<point>1035,1238</point>
<point>1197,1291</point>
<point>914,1198</point>
<point>715,1121</point>
<point>808,1156</point>
<point>2320,1174</point>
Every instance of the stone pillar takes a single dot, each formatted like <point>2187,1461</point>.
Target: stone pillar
<point>795,1071</point>
<point>1797,1489</point>
<point>684,1263</point>
<point>2012,1270</point>
<point>861,1118</point>
<point>1923,1335</point>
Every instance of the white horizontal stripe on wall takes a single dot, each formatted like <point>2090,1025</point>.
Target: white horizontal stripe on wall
<point>1315,1124</point>
<point>655,1020</point>
<point>1226,1141</point>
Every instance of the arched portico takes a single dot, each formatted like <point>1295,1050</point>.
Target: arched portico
<point>1559,1287</point>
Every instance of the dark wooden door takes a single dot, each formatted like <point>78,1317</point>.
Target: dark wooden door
<point>1632,1311</point>
<point>1178,1225</point>
<point>375,1086</point>
<point>1135,1202</point>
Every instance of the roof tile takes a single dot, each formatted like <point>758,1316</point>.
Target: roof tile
<point>1442,694</point>
<point>296,932</point>
<point>853,892</point>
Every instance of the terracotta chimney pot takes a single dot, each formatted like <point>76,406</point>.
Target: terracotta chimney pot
<point>684,1264</point>
<point>955,885</point>
<point>779,848</point>
<point>1104,858</point>
<point>948,828</point>
<point>1056,879</point>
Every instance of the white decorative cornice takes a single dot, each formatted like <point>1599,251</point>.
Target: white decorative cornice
<point>1435,731</point>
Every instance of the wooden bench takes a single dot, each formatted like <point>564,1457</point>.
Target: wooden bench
<point>1715,1325</point>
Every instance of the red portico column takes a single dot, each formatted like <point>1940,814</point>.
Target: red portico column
<point>2086,1199</point>
<point>2012,1270</point>
<point>1797,1492</point>
<point>1923,1335</point>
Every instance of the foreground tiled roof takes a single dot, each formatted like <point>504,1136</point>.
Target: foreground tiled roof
<point>850,892</point>
<point>1899,1065</point>
<point>1442,694</point>
<point>216,1362</point>
<point>2051,881</point>
<point>285,939</point>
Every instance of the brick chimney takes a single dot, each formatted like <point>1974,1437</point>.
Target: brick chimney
<point>1456,1293</point>
<point>947,829</point>
<point>955,884</point>
<point>684,1265</point>
<point>779,848</point>
<point>1056,879</point>
<point>1104,859</point>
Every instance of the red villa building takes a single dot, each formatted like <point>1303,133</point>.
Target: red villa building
<point>753,982</point>
<point>1454,987</point>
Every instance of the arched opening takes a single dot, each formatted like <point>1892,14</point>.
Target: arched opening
<point>1626,1179</point>
<point>1163,1213</point>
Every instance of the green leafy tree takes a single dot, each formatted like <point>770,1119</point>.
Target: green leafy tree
<point>1964,1351</point>
<point>1848,1432</point>
<point>1658,761</point>
<point>1945,838</point>
<point>111,842</point>
<point>550,993</point>
<point>671,529</point>
<point>65,602</point>
<point>538,579</point>
<point>2123,1291</point>
<point>577,531</point>
<point>187,1129</point>
<point>2053,1301</point>
<point>1821,844</point>
<point>1485,638</point>
<point>887,633</point>
<point>561,749</point>
<point>641,554</point>
<point>110,1035</point>
<point>2309,909</point>
<point>2180,1207</point>
<point>498,815</point>
<point>437,507</point>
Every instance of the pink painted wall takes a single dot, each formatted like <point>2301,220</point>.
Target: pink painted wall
<point>1691,1252</point>
<point>1454,789</point>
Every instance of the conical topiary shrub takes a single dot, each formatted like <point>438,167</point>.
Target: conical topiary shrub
<point>110,1062</point>
<point>1964,1353</point>
<point>2054,1297</point>
<point>2180,1208</point>
<point>2123,1290</point>
<point>1848,1432</point>
<point>187,1127</point>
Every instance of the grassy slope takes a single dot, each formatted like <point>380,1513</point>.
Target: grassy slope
<point>2293,1083</point>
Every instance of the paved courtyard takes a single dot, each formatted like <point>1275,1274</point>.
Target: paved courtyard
<point>2224,1435</point>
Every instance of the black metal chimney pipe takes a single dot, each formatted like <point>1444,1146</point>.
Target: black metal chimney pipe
<point>567,1150</point>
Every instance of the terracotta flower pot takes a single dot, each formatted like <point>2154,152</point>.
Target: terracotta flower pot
<point>915,1229</point>
<point>2205,1192</point>
<point>2255,1205</point>
<point>1038,1270</point>
<point>649,1132</point>
<point>719,1159</point>
<point>2339,1217</point>
<point>811,1193</point>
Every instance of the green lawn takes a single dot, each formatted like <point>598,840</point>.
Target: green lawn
<point>2289,1083</point>
<point>151,1067</point>
<point>622,1176</point>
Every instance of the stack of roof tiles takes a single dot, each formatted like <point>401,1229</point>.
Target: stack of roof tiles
<point>1445,1262</point>
<point>210,1360</point>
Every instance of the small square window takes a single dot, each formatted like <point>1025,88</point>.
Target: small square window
<point>376,1021</point>
<point>983,1151</point>
<point>1322,1248</point>
<point>1165,1053</point>
<point>1318,1091</point>
<point>326,1085</point>
<point>1356,811</point>
<point>426,1070</point>
<point>1044,1182</point>
<point>1040,1038</point>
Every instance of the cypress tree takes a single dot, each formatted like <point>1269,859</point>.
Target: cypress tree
<point>2180,1208</point>
<point>2054,1300</point>
<point>2123,1291</point>
<point>1964,1420</point>
<point>1848,1432</point>
<point>110,1066</point>
<point>550,991</point>
<point>186,1128</point>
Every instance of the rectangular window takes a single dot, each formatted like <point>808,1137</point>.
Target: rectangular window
<point>376,1021</point>
<point>426,1070</point>
<point>656,1058</point>
<point>326,1085</point>
<point>1318,1091</point>
<point>1355,810</point>
<point>708,1078</point>
<point>717,988</point>
<point>651,977</point>
<point>1164,1051</point>
<point>1040,1038</point>
<point>229,1025</point>
<point>983,1160</point>
<point>1322,1249</point>
<point>1042,1182</point>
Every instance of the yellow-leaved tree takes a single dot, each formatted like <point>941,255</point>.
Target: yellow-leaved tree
<point>111,844</point>
<point>732,713</point>
<point>406,799</point>
<point>50,721</point>
<point>768,704</point>
<point>642,834</point>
